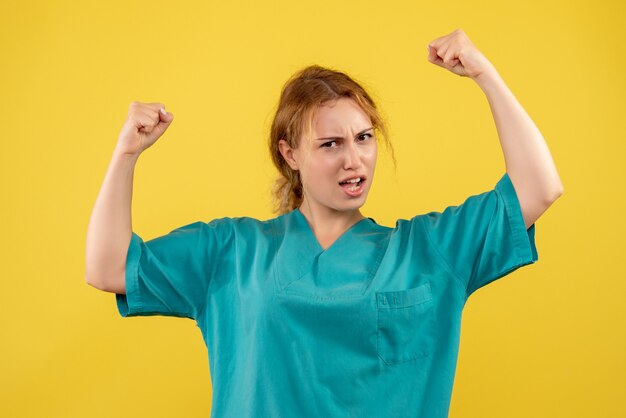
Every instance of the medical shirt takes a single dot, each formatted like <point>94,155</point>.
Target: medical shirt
<point>369,327</point>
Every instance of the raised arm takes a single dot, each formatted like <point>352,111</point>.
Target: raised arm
<point>110,228</point>
<point>528,161</point>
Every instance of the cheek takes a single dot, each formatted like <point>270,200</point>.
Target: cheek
<point>371,155</point>
<point>320,174</point>
<point>322,167</point>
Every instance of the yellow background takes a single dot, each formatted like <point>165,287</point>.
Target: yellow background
<point>547,341</point>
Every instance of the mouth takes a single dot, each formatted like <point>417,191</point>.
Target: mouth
<point>353,186</point>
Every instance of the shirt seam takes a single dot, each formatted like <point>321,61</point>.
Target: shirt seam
<point>517,239</point>
<point>135,269</point>
<point>517,228</point>
<point>444,261</point>
<point>211,278</point>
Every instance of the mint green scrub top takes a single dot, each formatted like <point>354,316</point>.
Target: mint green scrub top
<point>369,327</point>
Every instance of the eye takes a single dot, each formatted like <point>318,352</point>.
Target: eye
<point>365,136</point>
<point>329,144</point>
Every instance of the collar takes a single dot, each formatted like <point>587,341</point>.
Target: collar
<point>344,269</point>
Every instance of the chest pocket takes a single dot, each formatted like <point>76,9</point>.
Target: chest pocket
<point>406,324</point>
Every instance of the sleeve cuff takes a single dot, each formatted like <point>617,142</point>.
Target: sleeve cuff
<point>523,239</point>
<point>130,303</point>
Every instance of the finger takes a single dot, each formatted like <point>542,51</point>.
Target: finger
<point>143,122</point>
<point>165,116</point>
<point>150,109</point>
<point>442,50</point>
<point>146,129</point>
<point>432,53</point>
<point>449,57</point>
<point>155,106</point>
<point>437,42</point>
<point>163,125</point>
<point>149,115</point>
<point>436,60</point>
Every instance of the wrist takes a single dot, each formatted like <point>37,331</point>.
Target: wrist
<point>488,80</point>
<point>126,157</point>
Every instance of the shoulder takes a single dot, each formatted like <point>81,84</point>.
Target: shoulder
<point>421,224</point>
<point>408,226</point>
<point>241,226</point>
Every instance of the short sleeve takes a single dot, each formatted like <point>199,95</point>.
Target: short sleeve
<point>484,238</point>
<point>170,275</point>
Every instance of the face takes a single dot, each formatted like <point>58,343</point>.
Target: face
<point>342,147</point>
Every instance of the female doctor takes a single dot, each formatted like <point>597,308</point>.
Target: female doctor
<point>321,311</point>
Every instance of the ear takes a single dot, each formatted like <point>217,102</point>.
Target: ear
<point>288,154</point>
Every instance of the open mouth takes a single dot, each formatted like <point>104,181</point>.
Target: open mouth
<point>353,185</point>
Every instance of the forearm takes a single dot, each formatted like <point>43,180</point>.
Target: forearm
<point>526,154</point>
<point>110,228</point>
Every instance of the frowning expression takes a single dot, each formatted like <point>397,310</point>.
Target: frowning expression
<point>337,163</point>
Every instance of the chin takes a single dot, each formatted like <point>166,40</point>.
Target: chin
<point>355,203</point>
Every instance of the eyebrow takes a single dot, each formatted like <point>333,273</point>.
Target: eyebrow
<point>340,137</point>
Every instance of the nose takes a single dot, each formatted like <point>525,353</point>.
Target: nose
<point>352,157</point>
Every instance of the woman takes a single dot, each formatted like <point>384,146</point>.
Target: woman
<point>320,311</point>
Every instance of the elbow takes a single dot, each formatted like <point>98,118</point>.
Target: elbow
<point>93,282</point>
<point>98,283</point>
<point>558,192</point>
<point>553,197</point>
<point>554,193</point>
<point>114,283</point>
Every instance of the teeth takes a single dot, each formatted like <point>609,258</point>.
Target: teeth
<point>353,180</point>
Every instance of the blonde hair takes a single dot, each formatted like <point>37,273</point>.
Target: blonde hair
<point>303,93</point>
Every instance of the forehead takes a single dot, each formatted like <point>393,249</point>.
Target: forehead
<point>339,116</point>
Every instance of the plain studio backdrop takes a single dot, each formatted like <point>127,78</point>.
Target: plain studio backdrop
<point>546,341</point>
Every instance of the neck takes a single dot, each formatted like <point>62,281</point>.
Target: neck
<point>325,221</point>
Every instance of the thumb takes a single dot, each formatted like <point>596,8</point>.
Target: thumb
<point>165,117</point>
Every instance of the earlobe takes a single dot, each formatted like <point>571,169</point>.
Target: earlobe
<point>287,153</point>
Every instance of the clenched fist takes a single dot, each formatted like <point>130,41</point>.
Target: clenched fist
<point>145,123</point>
<point>455,52</point>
